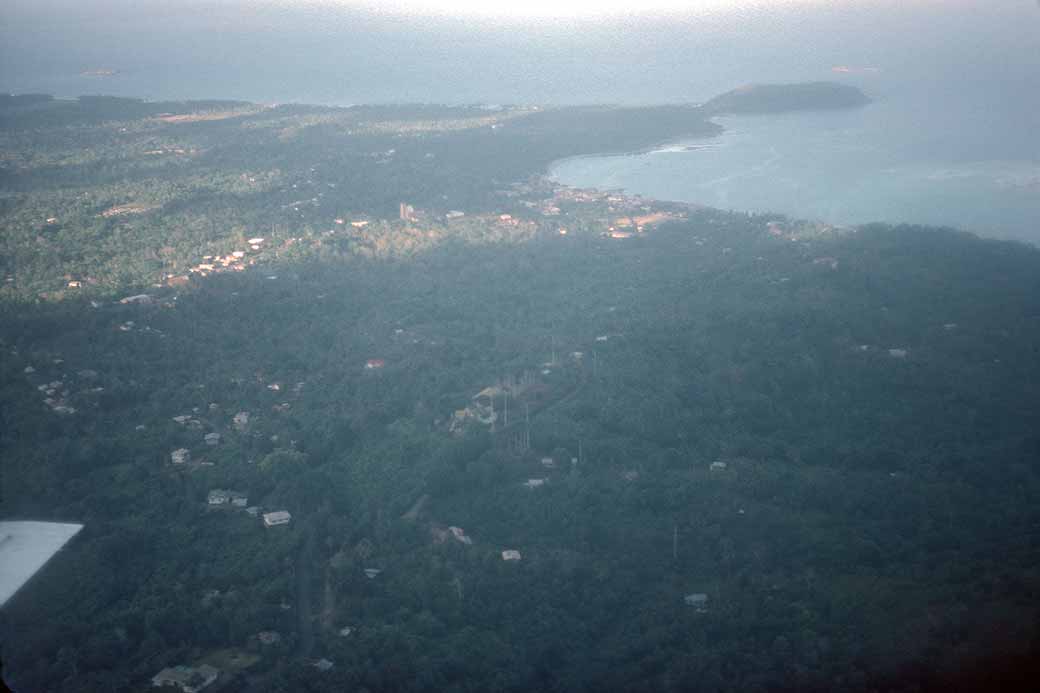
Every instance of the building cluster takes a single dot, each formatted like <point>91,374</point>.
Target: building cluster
<point>56,393</point>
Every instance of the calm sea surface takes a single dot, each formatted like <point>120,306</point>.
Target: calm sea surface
<point>952,137</point>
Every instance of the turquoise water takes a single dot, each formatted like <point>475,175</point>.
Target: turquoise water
<point>844,168</point>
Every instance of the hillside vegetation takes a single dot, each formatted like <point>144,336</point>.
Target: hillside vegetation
<point>828,433</point>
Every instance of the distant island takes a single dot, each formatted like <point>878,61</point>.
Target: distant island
<point>777,98</point>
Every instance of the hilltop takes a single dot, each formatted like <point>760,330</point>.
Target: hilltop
<point>777,98</point>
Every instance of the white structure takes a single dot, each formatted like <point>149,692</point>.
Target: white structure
<point>218,496</point>
<point>180,456</point>
<point>548,463</point>
<point>25,547</point>
<point>212,438</point>
<point>188,679</point>
<point>460,535</point>
<point>239,500</point>
<point>698,600</point>
<point>897,353</point>
<point>510,555</point>
<point>138,299</point>
<point>535,483</point>
<point>372,573</point>
<point>278,517</point>
<point>718,466</point>
<point>255,241</point>
<point>345,631</point>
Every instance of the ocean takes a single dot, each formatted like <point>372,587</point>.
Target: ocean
<point>951,137</point>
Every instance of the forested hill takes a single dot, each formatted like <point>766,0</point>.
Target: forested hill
<point>742,452</point>
<point>776,98</point>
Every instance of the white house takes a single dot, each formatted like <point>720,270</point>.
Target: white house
<point>718,466</point>
<point>212,438</point>
<point>535,483</point>
<point>698,600</point>
<point>278,517</point>
<point>218,496</point>
<point>510,555</point>
<point>460,535</point>
<point>180,456</point>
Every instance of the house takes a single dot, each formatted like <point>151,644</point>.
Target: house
<point>489,392</point>
<point>239,500</point>
<point>510,555</point>
<point>180,456</point>
<point>372,573</point>
<point>75,284</point>
<point>630,475</point>
<point>454,214</point>
<point>255,241</point>
<point>241,421</point>
<point>359,224</point>
<point>212,438</point>
<point>548,463</point>
<point>269,637</point>
<point>238,254</point>
<point>345,631</point>
<point>140,299</point>
<point>373,364</point>
<point>698,600</point>
<point>718,466</point>
<point>182,419</point>
<point>460,535</point>
<point>535,483</point>
<point>898,353</point>
<point>253,510</point>
<point>323,665</point>
<point>218,496</point>
<point>278,517</point>
<point>188,679</point>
